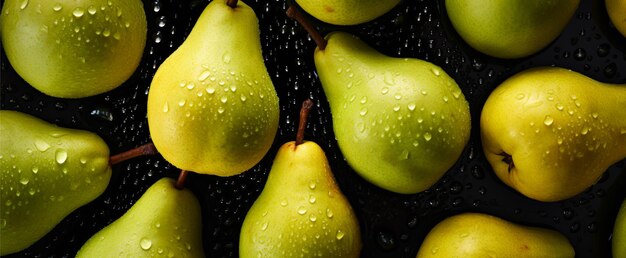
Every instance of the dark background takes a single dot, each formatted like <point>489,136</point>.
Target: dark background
<point>392,225</point>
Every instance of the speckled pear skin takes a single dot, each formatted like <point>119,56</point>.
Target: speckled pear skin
<point>301,210</point>
<point>74,48</point>
<point>400,123</point>
<point>164,222</point>
<point>212,107</point>
<point>47,172</point>
<point>561,129</point>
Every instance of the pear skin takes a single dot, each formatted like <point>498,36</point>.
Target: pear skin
<point>212,107</point>
<point>510,28</point>
<point>482,235</point>
<point>617,13</point>
<point>347,12</point>
<point>165,221</point>
<point>550,133</point>
<point>400,123</point>
<point>47,172</point>
<point>301,210</point>
<point>619,233</point>
<point>74,48</point>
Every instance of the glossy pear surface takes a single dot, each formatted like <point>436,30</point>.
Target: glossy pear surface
<point>400,123</point>
<point>482,235</point>
<point>617,13</point>
<point>46,173</point>
<point>510,28</point>
<point>619,233</point>
<point>212,107</point>
<point>164,222</point>
<point>561,129</point>
<point>347,12</point>
<point>301,210</point>
<point>73,48</point>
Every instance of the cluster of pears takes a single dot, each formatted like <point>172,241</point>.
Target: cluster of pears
<point>73,48</point>
<point>47,172</point>
<point>401,123</point>
<point>550,133</point>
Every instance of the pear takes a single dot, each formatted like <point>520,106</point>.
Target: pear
<point>401,123</point>
<point>165,221</point>
<point>510,28</point>
<point>212,107</point>
<point>617,13</point>
<point>73,48</point>
<point>301,210</point>
<point>482,235</point>
<point>619,233</point>
<point>550,133</point>
<point>347,12</point>
<point>46,173</point>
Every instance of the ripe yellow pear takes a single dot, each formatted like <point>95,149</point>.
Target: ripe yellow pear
<point>73,48</point>
<point>550,133</point>
<point>481,235</point>
<point>618,239</point>
<point>212,107</point>
<point>347,12</point>
<point>617,13</point>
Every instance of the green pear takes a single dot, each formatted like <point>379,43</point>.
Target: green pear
<point>73,48</point>
<point>301,212</point>
<point>165,221</point>
<point>47,172</point>
<point>617,13</point>
<point>482,235</point>
<point>550,133</point>
<point>212,107</point>
<point>510,28</point>
<point>619,233</point>
<point>400,123</point>
<point>346,12</point>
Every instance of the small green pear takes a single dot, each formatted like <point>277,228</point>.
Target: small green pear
<point>73,48</point>
<point>212,107</point>
<point>165,221</point>
<point>619,233</point>
<point>400,123</point>
<point>510,28</point>
<point>550,133</point>
<point>617,13</point>
<point>482,235</point>
<point>347,12</point>
<point>301,210</point>
<point>46,173</point>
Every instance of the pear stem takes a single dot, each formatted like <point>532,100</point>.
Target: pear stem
<point>232,3</point>
<point>182,177</point>
<point>307,105</point>
<point>293,13</point>
<point>146,149</point>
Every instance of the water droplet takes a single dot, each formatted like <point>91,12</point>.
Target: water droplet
<point>220,110</point>
<point>404,155</point>
<point>329,213</point>
<point>24,4</point>
<point>226,57</point>
<point>210,90</point>
<point>283,203</point>
<point>35,170</point>
<point>427,136</point>
<point>585,130</point>
<point>398,96</point>
<point>57,7</point>
<point>92,10</point>
<point>264,226</point>
<point>435,71</point>
<point>61,156</point>
<point>106,32</point>
<point>24,181</point>
<point>434,250</point>
<point>41,145</point>
<point>78,12</point>
<point>339,234</point>
<point>424,92</point>
<point>548,120</point>
<point>594,115</point>
<point>411,106</point>
<point>396,108</point>
<point>182,102</point>
<point>385,90</point>
<point>520,96</point>
<point>363,111</point>
<point>190,86</point>
<point>312,217</point>
<point>312,199</point>
<point>166,107</point>
<point>145,243</point>
<point>363,100</point>
<point>312,185</point>
<point>301,210</point>
<point>445,99</point>
<point>224,99</point>
<point>559,107</point>
<point>204,75</point>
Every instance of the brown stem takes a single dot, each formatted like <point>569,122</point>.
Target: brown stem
<point>232,3</point>
<point>146,149</point>
<point>293,13</point>
<point>182,177</point>
<point>508,159</point>
<point>304,115</point>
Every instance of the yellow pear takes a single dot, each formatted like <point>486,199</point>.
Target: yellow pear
<point>550,133</point>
